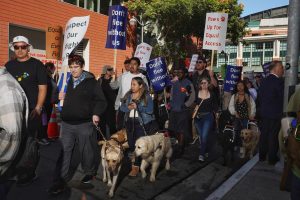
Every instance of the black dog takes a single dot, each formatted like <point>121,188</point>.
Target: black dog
<point>226,135</point>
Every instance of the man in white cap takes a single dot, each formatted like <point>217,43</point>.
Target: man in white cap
<point>32,76</point>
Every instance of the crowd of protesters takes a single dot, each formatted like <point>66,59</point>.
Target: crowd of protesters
<point>113,103</point>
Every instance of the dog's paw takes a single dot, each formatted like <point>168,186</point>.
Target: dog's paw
<point>109,184</point>
<point>152,178</point>
<point>111,194</point>
<point>144,174</point>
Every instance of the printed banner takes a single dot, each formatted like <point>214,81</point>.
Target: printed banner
<point>193,62</point>
<point>53,42</point>
<point>215,31</point>
<point>116,29</point>
<point>266,69</point>
<point>157,73</point>
<point>233,75</point>
<point>74,33</point>
<point>143,52</point>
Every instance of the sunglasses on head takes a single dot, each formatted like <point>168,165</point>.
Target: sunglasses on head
<point>23,47</point>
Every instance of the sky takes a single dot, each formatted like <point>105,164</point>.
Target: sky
<point>253,6</point>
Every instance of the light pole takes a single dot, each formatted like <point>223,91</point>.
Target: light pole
<point>134,21</point>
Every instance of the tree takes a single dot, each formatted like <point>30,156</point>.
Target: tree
<point>173,23</point>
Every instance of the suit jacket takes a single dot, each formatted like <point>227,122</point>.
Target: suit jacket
<point>270,97</point>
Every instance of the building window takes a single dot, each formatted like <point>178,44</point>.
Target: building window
<point>283,48</point>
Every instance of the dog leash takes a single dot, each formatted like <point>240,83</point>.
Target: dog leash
<point>101,133</point>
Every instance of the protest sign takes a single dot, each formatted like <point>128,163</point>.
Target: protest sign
<point>157,73</point>
<point>233,75</point>
<point>53,42</point>
<point>74,33</point>
<point>116,29</point>
<point>193,62</point>
<point>215,31</point>
<point>266,69</point>
<point>143,52</point>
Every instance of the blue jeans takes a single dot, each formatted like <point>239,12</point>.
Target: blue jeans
<point>239,124</point>
<point>203,127</point>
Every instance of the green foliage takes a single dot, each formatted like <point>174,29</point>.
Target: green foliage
<point>178,20</point>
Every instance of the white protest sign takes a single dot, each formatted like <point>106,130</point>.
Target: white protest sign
<point>143,52</point>
<point>193,62</point>
<point>215,31</point>
<point>74,33</point>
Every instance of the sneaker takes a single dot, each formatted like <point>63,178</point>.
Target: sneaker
<point>87,179</point>
<point>43,142</point>
<point>25,180</point>
<point>201,158</point>
<point>57,188</point>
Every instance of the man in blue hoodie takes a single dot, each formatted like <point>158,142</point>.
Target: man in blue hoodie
<point>182,97</point>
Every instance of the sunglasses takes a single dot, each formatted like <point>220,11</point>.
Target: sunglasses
<point>110,69</point>
<point>199,61</point>
<point>23,47</point>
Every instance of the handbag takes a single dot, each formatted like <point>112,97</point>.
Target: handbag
<point>196,109</point>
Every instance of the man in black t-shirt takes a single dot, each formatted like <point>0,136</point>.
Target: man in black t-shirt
<point>32,76</point>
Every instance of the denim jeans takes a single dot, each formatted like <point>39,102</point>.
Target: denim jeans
<point>239,124</point>
<point>204,127</point>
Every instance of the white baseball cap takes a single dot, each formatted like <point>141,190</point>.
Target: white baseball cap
<point>18,39</point>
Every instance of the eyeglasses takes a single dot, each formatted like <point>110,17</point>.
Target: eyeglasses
<point>23,47</point>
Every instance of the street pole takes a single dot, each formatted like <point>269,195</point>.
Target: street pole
<point>291,72</point>
<point>142,24</point>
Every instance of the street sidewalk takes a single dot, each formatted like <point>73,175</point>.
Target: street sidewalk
<point>254,181</point>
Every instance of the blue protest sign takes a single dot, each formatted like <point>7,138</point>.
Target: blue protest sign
<point>233,75</point>
<point>266,69</point>
<point>157,73</point>
<point>116,29</point>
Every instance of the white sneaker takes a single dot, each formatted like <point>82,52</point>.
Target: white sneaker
<point>201,158</point>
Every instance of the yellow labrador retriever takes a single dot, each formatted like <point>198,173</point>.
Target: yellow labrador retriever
<point>112,153</point>
<point>152,149</point>
<point>250,139</point>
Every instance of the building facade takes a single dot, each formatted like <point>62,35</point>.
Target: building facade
<point>32,17</point>
<point>266,41</point>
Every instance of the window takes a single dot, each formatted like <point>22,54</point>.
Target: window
<point>283,48</point>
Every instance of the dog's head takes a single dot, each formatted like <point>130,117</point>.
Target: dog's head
<point>142,146</point>
<point>247,135</point>
<point>113,157</point>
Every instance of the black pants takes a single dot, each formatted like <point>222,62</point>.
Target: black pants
<point>120,120</point>
<point>79,144</point>
<point>268,143</point>
<point>108,119</point>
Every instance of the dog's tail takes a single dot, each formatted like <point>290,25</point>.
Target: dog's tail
<point>101,142</point>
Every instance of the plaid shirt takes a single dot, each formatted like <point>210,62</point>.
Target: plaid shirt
<point>13,101</point>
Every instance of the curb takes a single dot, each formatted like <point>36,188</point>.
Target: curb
<point>223,189</point>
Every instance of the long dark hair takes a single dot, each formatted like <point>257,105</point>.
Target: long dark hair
<point>245,87</point>
<point>143,91</point>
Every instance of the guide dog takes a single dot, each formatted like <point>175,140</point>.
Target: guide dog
<point>152,149</point>
<point>250,139</point>
<point>112,153</point>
